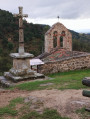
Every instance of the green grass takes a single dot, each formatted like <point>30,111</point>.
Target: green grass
<point>84,114</point>
<point>61,81</point>
<point>15,101</point>
<point>10,108</point>
<point>47,114</point>
<point>26,113</point>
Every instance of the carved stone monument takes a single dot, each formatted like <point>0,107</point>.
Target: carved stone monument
<point>21,61</point>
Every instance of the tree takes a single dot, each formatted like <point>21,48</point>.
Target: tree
<point>10,46</point>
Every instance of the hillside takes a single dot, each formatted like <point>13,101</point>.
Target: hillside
<point>81,42</point>
<point>34,39</point>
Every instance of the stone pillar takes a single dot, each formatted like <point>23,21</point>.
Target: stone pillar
<point>21,34</point>
<point>58,41</point>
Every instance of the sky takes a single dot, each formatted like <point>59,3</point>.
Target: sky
<point>74,14</point>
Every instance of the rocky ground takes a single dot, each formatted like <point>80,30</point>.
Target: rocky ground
<point>66,102</point>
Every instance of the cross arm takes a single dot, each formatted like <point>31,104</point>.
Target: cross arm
<point>20,15</point>
<point>25,15</point>
<point>15,15</point>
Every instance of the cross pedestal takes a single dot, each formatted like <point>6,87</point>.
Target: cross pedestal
<point>21,69</point>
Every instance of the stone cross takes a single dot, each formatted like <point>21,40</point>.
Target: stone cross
<point>21,34</point>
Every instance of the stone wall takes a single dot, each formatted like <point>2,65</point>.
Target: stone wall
<point>49,37</point>
<point>71,63</point>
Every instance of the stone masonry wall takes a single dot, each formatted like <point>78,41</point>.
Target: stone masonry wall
<point>49,37</point>
<point>71,63</point>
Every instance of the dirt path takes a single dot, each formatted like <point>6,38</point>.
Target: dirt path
<point>66,102</point>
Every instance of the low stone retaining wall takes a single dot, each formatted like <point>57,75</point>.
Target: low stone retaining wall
<point>70,63</point>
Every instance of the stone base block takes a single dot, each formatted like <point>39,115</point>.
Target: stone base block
<point>14,78</point>
<point>23,56</point>
<point>21,72</point>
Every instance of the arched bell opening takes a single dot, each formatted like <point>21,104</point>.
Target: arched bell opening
<point>61,38</point>
<point>55,39</point>
<point>61,41</point>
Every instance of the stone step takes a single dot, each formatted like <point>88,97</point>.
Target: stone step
<point>38,75</point>
<point>16,79</point>
<point>5,83</point>
<point>9,80</point>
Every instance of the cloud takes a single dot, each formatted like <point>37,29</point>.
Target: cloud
<point>66,9</point>
<point>46,11</point>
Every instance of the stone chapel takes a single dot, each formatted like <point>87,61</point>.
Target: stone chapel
<point>58,36</point>
<point>58,55</point>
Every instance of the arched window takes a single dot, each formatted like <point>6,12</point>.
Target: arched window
<point>55,39</point>
<point>61,38</point>
<point>61,41</point>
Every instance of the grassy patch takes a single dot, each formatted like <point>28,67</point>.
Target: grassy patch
<point>52,114</point>
<point>26,113</point>
<point>10,109</point>
<point>63,80</point>
<point>83,114</point>
<point>15,101</point>
<point>47,114</point>
<point>31,85</point>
